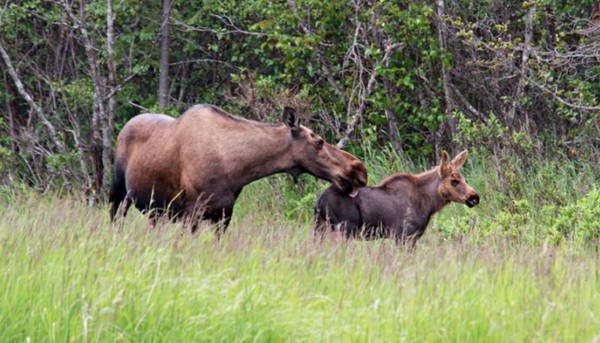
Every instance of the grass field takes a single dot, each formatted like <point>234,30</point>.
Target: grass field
<point>68,275</point>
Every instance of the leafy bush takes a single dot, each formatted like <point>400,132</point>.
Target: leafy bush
<point>579,221</point>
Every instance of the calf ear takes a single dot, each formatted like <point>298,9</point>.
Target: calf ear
<point>289,117</point>
<point>444,166</point>
<point>459,160</point>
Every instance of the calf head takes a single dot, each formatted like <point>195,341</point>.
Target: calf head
<point>452,186</point>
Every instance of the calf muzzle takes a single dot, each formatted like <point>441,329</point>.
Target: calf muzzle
<point>473,200</point>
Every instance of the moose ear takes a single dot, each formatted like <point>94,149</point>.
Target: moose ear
<point>460,160</point>
<point>289,117</point>
<point>444,166</point>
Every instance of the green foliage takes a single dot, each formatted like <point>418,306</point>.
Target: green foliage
<point>5,153</point>
<point>579,221</point>
<point>479,133</point>
<point>253,57</point>
<point>57,162</point>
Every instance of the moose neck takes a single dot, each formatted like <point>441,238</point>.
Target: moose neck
<point>428,184</point>
<point>265,152</point>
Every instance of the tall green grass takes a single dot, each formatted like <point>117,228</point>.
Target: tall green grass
<point>543,202</point>
<point>66,274</point>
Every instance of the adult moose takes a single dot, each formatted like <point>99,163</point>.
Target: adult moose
<point>399,207</point>
<point>195,166</point>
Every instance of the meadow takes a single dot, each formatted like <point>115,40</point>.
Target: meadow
<point>523,266</point>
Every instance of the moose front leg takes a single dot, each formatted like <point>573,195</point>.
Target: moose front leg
<point>408,234</point>
<point>220,218</point>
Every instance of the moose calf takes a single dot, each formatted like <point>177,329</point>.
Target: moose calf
<point>399,207</point>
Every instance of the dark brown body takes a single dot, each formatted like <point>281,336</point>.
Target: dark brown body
<point>197,164</point>
<point>400,207</point>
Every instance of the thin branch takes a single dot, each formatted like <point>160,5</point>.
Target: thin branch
<point>563,101</point>
<point>119,87</point>
<point>145,109</point>
<point>211,60</point>
<point>29,99</point>
<point>235,29</point>
<point>467,104</point>
<point>389,50</point>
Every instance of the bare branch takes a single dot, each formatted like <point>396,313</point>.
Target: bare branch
<point>145,109</point>
<point>208,60</point>
<point>233,28</point>
<point>389,50</point>
<point>467,104</point>
<point>29,99</point>
<point>116,89</point>
<point>561,100</point>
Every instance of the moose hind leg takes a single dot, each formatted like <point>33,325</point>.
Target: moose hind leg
<point>124,207</point>
<point>118,190</point>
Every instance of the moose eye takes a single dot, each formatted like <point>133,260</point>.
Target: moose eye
<point>320,143</point>
<point>454,183</point>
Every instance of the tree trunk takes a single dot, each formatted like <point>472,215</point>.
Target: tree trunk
<point>392,119</point>
<point>163,84</point>
<point>442,40</point>
<point>108,126</point>
<point>528,36</point>
<point>101,134</point>
<point>182,85</point>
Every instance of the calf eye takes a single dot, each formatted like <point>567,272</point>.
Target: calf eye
<point>454,183</point>
<point>320,143</point>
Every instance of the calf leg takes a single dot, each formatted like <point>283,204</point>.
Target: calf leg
<point>350,229</point>
<point>409,236</point>
<point>321,224</point>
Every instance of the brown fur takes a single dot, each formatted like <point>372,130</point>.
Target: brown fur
<point>400,206</point>
<point>200,161</point>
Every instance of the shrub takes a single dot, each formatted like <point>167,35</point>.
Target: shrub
<point>579,221</point>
